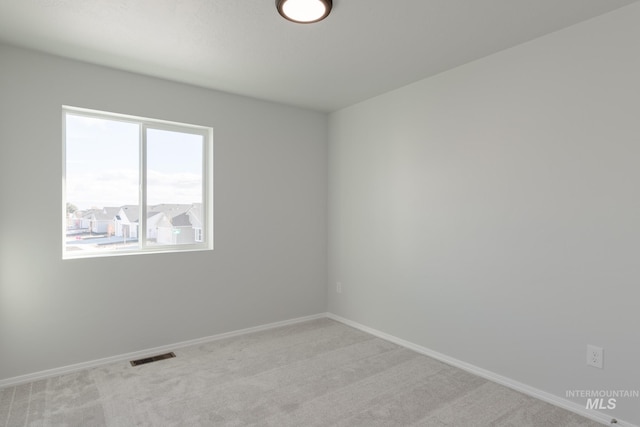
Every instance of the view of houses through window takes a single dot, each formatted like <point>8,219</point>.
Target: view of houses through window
<point>118,227</point>
<point>133,185</point>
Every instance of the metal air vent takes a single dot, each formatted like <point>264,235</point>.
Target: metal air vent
<point>152,359</point>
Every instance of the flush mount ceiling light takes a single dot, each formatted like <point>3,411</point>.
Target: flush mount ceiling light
<point>304,11</point>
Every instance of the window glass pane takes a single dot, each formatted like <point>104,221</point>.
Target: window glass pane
<point>106,157</point>
<point>101,183</point>
<point>174,188</point>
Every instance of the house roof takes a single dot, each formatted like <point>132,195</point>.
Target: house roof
<point>176,213</point>
<point>131,211</point>
<point>171,211</point>
<point>106,214</point>
<point>196,215</point>
<point>87,213</point>
<point>181,220</point>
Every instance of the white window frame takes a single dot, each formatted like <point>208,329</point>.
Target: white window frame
<point>144,124</point>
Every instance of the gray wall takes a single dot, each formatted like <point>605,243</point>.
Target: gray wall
<point>269,262</point>
<point>492,213</point>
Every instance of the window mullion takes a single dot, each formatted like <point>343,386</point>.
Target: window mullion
<point>142,233</point>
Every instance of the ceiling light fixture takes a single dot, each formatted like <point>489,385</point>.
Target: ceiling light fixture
<point>304,11</point>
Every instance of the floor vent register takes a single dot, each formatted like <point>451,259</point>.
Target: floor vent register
<point>152,359</point>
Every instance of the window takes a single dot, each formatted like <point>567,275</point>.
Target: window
<point>135,185</point>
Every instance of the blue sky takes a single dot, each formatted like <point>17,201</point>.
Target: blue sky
<point>102,164</point>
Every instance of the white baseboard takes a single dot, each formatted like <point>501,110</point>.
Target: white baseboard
<point>22,379</point>
<point>491,376</point>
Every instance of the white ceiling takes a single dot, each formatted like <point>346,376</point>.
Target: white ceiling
<point>364,48</point>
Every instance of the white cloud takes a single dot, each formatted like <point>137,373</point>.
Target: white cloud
<point>120,187</point>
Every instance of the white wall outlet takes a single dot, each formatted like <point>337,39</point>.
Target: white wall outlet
<point>339,287</point>
<point>595,356</point>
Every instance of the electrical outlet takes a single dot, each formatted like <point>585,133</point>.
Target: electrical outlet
<point>339,287</point>
<point>595,356</point>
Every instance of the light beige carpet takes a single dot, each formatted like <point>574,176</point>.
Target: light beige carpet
<point>317,373</point>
